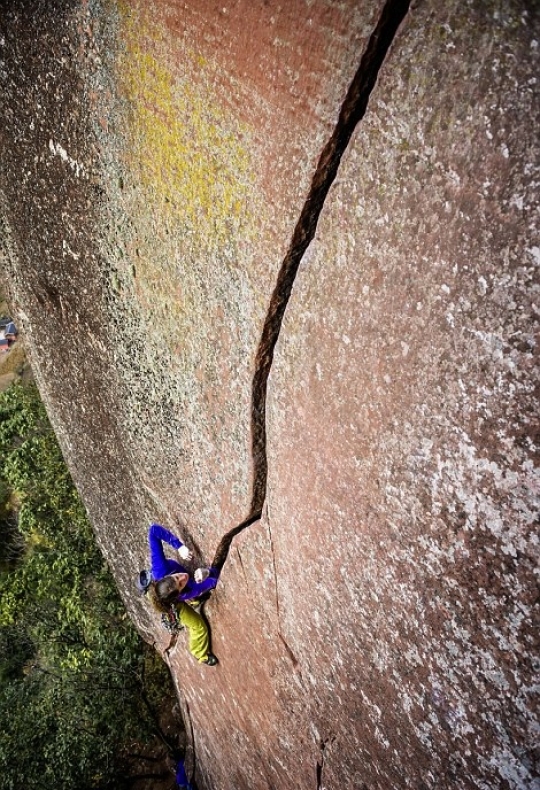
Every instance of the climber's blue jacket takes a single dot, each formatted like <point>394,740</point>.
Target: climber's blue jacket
<point>163,566</point>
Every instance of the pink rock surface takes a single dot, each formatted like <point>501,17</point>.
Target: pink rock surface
<point>402,390</point>
<point>375,627</point>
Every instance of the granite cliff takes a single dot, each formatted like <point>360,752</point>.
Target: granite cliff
<point>285,257</point>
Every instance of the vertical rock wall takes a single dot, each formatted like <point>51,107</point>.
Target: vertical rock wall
<point>160,161</point>
<point>403,422</point>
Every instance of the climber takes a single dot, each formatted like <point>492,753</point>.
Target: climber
<point>169,585</point>
<point>171,580</point>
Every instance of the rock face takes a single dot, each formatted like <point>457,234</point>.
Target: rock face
<point>164,168</point>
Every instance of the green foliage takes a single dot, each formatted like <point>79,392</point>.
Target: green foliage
<point>76,682</point>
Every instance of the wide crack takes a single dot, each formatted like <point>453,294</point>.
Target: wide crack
<point>352,111</point>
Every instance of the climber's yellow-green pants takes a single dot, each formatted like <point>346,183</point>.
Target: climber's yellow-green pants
<point>199,641</point>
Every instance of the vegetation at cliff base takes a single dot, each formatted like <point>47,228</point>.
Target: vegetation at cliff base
<point>79,690</point>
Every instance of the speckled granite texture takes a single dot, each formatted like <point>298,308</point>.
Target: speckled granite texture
<point>378,627</point>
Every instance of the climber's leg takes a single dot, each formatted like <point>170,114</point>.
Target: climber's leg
<point>199,639</point>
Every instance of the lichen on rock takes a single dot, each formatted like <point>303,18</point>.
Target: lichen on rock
<point>375,627</point>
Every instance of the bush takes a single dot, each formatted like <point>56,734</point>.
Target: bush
<point>77,682</point>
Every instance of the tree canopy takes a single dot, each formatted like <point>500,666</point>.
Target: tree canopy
<point>78,687</point>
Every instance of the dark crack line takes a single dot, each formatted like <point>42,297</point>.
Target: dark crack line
<point>240,560</point>
<point>352,111</point>
<point>224,545</point>
<point>290,653</point>
<point>190,755</point>
<point>275,578</point>
<point>320,763</point>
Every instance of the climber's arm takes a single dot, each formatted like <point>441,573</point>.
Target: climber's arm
<point>157,535</point>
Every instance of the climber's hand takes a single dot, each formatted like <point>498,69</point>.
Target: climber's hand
<point>185,553</point>
<point>201,574</point>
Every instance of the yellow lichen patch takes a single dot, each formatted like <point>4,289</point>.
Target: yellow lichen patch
<point>191,183</point>
<point>188,155</point>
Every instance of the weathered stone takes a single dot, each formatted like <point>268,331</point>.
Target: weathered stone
<point>375,628</point>
<point>403,416</point>
<point>135,202</point>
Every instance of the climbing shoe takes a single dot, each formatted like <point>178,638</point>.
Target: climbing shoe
<point>211,660</point>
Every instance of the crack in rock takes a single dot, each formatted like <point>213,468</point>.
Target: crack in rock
<point>224,544</point>
<point>290,653</point>
<point>320,762</point>
<point>352,111</point>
